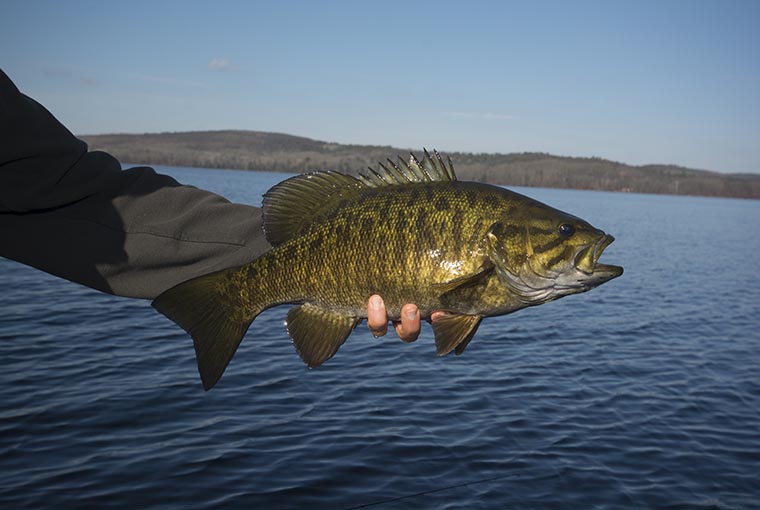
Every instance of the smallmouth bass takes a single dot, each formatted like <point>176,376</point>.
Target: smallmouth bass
<point>410,232</point>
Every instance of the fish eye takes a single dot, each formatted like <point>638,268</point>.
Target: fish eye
<point>566,230</point>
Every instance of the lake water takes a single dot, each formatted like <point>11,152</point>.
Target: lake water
<point>643,393</point>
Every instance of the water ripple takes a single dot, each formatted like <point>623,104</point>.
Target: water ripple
<point>641,394</point>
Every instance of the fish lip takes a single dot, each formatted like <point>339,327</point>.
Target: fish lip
<point>608,270</point>
<point>601,272</point>
<point>604,272</point>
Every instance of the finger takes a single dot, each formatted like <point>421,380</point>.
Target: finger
<point>376,318</point>
<point>435,315</point>
<point>408,328</point>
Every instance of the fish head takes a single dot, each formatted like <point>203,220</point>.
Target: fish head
<point>548,254</point>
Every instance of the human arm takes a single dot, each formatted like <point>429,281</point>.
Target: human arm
<point>77,215</point>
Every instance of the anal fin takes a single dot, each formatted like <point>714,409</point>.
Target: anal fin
<point>318,333</point>
<point>454,331</point>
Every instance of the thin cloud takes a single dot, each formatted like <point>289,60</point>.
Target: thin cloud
<point>66,73</point>
<point>220,64</point>
<point>89,81</point>
<point>474,115</point>
<point>169,81</point>
<point>57,72</point>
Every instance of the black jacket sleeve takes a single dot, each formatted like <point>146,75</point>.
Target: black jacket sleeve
<point>75,214</point>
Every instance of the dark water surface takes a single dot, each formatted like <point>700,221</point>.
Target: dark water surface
<point>644,393</point>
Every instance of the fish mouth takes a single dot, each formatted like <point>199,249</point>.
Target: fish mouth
<point>587,262</point>
<point>532,286</point>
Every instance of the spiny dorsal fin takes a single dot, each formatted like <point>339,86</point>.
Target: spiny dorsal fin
<point>431,168</point>
<point>292,205</point>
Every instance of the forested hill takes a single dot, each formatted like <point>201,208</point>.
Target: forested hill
<point>255,150</point>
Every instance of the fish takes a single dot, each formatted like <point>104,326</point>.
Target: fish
<point>407,230</point>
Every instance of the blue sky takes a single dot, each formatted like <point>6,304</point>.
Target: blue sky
<point>638,82</point>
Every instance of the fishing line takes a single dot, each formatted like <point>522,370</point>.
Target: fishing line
<point>431,491</point>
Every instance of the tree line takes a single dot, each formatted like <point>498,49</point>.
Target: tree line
<point>275,152</point>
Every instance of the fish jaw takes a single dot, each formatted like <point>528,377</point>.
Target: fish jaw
<point>583,272</point>
<point>587,272</point>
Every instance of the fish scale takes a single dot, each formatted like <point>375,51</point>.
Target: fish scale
<point>385,255</point>
<point>410,232</point>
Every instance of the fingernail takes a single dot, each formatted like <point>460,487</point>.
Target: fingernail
<point>376,303</point>
<point>411,314</point>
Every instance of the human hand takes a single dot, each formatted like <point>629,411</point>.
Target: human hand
<point>407,328</point>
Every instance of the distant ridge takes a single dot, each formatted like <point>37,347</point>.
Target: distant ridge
<point>257,150</point>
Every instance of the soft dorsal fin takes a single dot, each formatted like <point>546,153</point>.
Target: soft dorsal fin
<point>291,206</point>
<point>294,204</point>
<point>431,168</point>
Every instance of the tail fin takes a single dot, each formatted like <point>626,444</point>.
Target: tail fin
<point>198,306</point>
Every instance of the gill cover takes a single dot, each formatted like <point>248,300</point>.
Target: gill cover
<point>510,250</point>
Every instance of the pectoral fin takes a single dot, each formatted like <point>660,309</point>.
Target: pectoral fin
<point>454,330</point>
<point>318,333</point>
<point>468,280</point>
